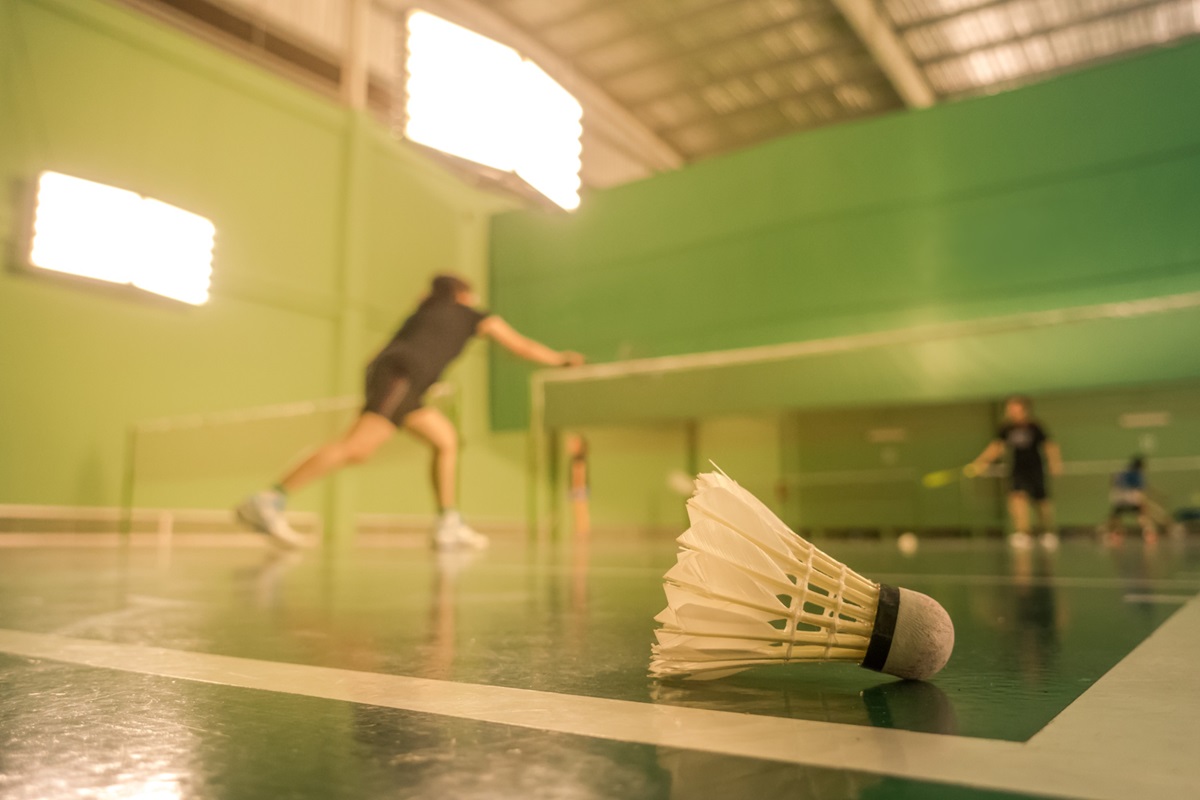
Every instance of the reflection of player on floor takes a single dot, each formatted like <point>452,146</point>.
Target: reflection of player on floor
<point>1128,496</point>
<point>1026,441</point>
<point>396,380</point>
<point>577,450</point>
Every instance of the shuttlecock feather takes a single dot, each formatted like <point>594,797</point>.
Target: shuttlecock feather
<point>747,590</point>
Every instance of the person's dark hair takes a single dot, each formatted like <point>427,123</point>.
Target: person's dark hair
<point>1136,463</point>
<point>445,289</point>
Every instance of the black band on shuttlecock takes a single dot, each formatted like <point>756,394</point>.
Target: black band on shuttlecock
<point>885,626</point>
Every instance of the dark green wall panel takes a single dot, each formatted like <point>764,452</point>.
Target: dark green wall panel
<point>1106,352</point>
<point>1077,191</point>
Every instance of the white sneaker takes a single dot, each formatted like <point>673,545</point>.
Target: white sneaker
<point>264,513</point>
<point>451,532</point>
<point>1049,540</point>
<point>471,537</point>
<point>1019,540</point>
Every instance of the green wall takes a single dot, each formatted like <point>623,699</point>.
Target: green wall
<point>631,467</point>
<point>840,477</point>
<point>1076,191</point>
<point>327,231</point>
<point>858,469</point>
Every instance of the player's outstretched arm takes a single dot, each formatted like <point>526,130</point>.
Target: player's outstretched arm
<point>993,451</point>
<point>1054,457</point>
<point>503,334</point>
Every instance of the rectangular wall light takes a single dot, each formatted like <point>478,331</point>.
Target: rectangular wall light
<point>481,100</point>
<point>104,233</point>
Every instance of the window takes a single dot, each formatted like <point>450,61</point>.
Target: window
<point>480,100</point>
<point>109,234</point>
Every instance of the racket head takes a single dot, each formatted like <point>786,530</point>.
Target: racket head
<point>936,480</point>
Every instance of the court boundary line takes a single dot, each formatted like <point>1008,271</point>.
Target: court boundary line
<point>1083,753</point>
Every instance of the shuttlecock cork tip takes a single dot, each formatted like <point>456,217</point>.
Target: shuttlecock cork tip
<point>913,635</point>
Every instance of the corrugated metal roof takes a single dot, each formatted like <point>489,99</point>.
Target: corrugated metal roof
<point>969,47</point>
<point>710,76</point>
<point>700,77</point>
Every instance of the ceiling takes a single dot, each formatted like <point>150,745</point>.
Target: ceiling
<point>667,82</point>
<point>710,76</point>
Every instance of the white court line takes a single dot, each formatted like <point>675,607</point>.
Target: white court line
<point>1166,599</point>
<point>1125,737</point>
<point>1142,714</point>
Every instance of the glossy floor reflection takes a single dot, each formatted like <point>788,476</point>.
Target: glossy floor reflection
<point>1035,630</point>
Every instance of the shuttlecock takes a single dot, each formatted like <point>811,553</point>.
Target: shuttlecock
<point>746,590</point>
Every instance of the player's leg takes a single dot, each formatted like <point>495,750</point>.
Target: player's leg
<point>432,426</point>
<point>1046,514</point>
<point>581,513</point>
<point>1018,510</point>
<point>1146,522</point>
<point>435,429</point>
<point>389,390</point>
<point>1049,535</point>
<point>1111,530</point>
<point>1120,515</point>
<point>390,394</point>
<point>355,446</point>
<point>1045,510</point>
<point>264,511</point>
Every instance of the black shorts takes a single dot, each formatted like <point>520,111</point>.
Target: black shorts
<point>1032,484</point>
<point>1127,508</point>
<point>393,390</point>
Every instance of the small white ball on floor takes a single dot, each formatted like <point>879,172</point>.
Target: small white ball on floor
<point>680,482</point>
<point>1020,540</point>
<point>908,543</point>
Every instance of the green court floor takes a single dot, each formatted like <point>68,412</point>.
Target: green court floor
<point>521,672</point>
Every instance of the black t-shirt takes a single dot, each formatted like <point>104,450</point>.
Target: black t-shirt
<point>432,337</point>
<point>1025,442</point>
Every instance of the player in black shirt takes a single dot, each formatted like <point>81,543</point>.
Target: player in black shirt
<point>396,380</point>
<point>1026,441</point>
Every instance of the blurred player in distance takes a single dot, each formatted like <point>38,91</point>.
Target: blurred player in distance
<point>1030,448</point>
<point>1129,494</point>
<point>579,484</point>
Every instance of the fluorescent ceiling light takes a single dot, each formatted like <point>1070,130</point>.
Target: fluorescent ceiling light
<point>480,100</point>
<point>109,234</point>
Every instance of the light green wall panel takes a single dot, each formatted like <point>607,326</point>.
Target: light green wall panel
<point>628,470</point>
<point>327,233</point>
